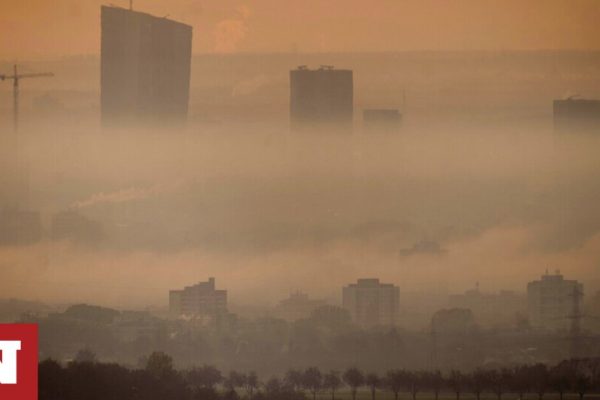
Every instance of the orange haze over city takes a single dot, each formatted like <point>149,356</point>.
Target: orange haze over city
<point>40,28</point>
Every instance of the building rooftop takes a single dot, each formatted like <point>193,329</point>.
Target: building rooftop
<point>322,68</point>
<point>143,15</point>
<point>370,282</point>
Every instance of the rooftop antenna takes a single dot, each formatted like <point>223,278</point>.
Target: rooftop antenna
<point>16,77</point>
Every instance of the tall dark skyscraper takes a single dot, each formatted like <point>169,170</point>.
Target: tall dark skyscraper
<point>321,99</point>
<point>145,69</point>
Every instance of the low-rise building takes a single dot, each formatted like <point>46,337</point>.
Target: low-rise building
<point>201,300</point>
<point>297,306</point>
<point>500,309</point>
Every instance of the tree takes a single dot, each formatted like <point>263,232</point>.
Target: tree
<point>373,382</point>
<point>539,377</point>
<point>478,381</point>
<point>51,380</point>
<point>436,382</point>
<point>275,389</point>
<point>251,383</point>
<point>85,355</point>
<point>559,379</point>
<point>160,365</point>
<point>312,380</point>
<point>206,376</point>
<point>519,381</point>
<point>332,382</point>
<point>499,381</point>
<point>233,381</point>
<point>456,382</point>
<point>413,382</point>
<point>273,386</point>
<point>355,379</point>
<point>581,383</point>
<point>293,379</point>
<point>594,366</point>
<point>394,381</point>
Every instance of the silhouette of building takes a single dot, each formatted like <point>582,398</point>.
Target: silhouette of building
<point>200,301</point>
<point>321,99</point>
<point>72,225</point>
<point>20,226</point>
<point>491,309</point>
<point>454,321</point>
<point>592,311</point>
<point>552,302</point>
<point>577,116</point>
<point>372,303</point>
<point>130,326</point>
<point>381,120</point>
<point>145,68</point>
<point>297,306</point>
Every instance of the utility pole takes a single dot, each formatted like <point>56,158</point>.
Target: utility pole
<point>16,77</point>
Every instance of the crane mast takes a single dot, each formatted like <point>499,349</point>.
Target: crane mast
<point>16,77</point>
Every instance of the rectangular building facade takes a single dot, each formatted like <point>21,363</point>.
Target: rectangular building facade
<point>499,309</point>
<point>577,116</point>
<point>297,306</point>
<point>381,120</point>
<point>321,99</point>
<point>145,69</point>
<point>371,303</point>
<point>552,302</point>
<point>200,300</point>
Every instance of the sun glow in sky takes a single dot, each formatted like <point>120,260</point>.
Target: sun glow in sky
<point>42,28</point>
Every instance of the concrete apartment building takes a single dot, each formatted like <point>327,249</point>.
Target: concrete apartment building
<point>552,302</point>
<point>321,99</point>
<point>372,303</point>
<point>201,300</point>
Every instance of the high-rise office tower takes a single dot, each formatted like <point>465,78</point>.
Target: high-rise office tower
<point>145,69</point>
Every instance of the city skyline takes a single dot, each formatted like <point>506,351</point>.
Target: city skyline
<point>275,200</point>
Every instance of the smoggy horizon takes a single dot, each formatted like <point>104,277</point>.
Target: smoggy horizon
<point>475,186</point>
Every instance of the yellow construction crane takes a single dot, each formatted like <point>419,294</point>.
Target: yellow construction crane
<point>16,77</point>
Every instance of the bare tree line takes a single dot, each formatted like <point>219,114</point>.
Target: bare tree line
<point>86,378</point>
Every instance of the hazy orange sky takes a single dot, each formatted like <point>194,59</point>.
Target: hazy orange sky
<point>43,28</point>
